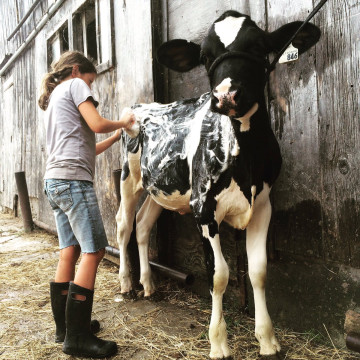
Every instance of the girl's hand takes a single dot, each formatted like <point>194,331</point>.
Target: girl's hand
<point>127,118</point>
<point>117,135</point>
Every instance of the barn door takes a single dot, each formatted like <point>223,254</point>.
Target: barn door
<point>7,168</point>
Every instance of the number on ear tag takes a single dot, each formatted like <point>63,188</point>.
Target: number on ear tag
<point>290,54</point>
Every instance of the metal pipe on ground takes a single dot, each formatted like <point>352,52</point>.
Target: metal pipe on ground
<point>24,200</point>
<point>353,342</point>
<point>187,279</point>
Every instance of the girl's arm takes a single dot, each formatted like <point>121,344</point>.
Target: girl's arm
<point>98,124</point>
<point>105,144</point>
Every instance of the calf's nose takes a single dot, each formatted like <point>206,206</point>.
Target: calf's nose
<point>223,102</point>
<point>225,98</point>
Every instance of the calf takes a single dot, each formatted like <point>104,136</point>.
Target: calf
<point>214,156</point>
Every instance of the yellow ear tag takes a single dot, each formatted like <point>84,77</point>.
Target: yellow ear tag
<point>290,54</point>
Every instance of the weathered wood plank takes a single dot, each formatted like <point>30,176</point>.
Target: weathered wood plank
<point>8,146</point>
<point>338,60</point>
<point>293,109</point>
<point>255,8</point>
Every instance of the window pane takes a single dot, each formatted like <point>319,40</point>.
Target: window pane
<point>105,30</point>
<point>64,33</point>
<point>78,37</point>
<point>53,49</point>
<point>91,40</point>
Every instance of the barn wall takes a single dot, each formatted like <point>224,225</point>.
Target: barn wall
<point>316,225</point>
<point>315,117</point>
<point>314,107</point>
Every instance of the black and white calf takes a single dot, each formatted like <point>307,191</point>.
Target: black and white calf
<point>214,156</point>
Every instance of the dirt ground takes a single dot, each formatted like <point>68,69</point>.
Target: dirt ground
<point>172,327</point>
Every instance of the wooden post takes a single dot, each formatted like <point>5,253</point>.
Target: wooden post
<point>24,200</point>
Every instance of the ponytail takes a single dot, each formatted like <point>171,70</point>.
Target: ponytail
<point>62,69</point>
<point>48,85</point>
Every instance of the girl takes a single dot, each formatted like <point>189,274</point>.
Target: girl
<point>71,121</point>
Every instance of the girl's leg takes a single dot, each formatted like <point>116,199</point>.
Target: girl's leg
<point>86,223</point>
<point>86,272</point>
<point>59,289</point>
<point>66,267</point>
<point>79,340</point>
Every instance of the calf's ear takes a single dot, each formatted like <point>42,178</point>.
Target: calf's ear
<point>179,55</point>
<point>304,40</point>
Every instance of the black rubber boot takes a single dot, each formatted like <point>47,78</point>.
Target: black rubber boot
<point>79,340</point>
<point>58,305</point>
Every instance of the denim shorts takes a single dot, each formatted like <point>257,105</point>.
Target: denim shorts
<point>77,214</point>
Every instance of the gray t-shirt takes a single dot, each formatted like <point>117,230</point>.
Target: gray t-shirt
<point>71,144</point>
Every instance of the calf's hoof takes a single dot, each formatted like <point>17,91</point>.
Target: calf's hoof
<point>130,295</point>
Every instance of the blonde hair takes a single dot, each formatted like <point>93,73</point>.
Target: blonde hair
<point>60,70</point>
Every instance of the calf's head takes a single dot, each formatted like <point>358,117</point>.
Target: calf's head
<point>234,53</point>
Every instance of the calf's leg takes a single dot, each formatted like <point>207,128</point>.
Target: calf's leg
<point>218,273</point>
<point>256,234</point>
<point>124,220</point>
<point>145,220</point>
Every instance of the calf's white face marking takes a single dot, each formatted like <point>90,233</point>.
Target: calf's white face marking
<point>228,29</point>
<point>223,87</point>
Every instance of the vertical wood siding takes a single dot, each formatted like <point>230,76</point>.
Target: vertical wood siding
<point>315,112</point>
<point>339,99</point>
<point>294,109</point>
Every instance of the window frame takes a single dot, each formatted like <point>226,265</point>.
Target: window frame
<point>57,36</point>
<point>76,21</point>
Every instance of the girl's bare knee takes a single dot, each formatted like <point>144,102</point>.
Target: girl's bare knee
<point>70,254</point>
<point>97,256</point>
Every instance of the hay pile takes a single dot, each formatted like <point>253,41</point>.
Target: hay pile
<point>173,327</point>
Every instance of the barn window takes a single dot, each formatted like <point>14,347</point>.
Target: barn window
<point>89,31</point>
<point>92,32</point>
<point>57,44</point>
